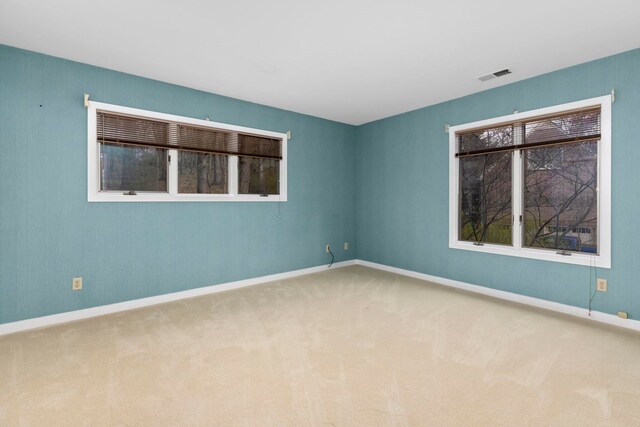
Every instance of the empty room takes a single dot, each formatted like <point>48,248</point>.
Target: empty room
<point>295,213</point>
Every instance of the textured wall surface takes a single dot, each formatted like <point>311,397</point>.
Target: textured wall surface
<point>49,232</point>
<point>402,189</point>
<point>384,183</point>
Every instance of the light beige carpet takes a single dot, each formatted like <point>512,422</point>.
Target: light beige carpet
<point>347,347</point>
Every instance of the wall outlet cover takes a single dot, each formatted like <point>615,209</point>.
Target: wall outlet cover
<point>601,285</point>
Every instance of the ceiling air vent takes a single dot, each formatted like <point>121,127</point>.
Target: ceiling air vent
<point>494,75</point>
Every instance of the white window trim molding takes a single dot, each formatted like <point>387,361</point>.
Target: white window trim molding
<point>172,195</point>
<point>603,259</point>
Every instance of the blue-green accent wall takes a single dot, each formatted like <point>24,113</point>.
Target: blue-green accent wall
<point>382,186</point>
<point>49,233</point>
<point>402,189</point>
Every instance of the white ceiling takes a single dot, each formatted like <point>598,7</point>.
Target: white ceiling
<point>353,61</point>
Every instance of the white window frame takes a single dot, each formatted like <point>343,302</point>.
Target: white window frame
<point>601,260</point>
<point>172,195</point>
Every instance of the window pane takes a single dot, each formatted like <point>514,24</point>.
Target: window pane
<point>258,176</point>
<point>130,168</point>
<point>560,198</point>
<point>202,173</point>
<point>485,198</point>
<point>571,125</point>
<point>486,138</point>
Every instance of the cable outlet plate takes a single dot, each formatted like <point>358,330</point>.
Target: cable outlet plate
<point>327,248</point>
<point>601,285</point>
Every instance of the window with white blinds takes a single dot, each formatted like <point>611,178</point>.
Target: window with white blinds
<point>138,155</point>
<point>535,184</point>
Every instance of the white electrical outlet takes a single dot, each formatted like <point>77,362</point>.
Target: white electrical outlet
<point>76,284</point>
<point>601,285</point>
<point>327,248</point>
<point>346,246</point>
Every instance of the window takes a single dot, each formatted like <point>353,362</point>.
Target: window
<point>534,184</point>
<point>137,155</point>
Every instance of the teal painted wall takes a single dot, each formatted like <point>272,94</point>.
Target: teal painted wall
<point>383,185</point>
<point>402,189</point>
<point>49,233</point>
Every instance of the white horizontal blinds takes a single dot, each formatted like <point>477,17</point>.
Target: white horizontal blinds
<point>575,126</point>
<point>127,130</point>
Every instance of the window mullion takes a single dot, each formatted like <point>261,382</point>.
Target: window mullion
<point>173,172</point>
<point>172,178</point>
<point>517,194</point>
<point>518,187</point>
<point>233,175</point>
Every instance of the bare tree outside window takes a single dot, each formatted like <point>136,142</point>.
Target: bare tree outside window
<point>202,173</point>
<point>560,203</point>
<point>485,187</point>
<point>258,175</point>
<point>560,183</point>
<point>534,184</point>
<point>558,156</point>
<point>132,168</point>
<point>486,198</point>
<point>139,152</point>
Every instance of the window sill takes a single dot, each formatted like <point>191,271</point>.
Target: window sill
<point>167,197</point>
<point>589,260</point>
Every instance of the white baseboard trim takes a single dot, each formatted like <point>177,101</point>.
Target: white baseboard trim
<point>70,316</point>
<point>56,319</point>
<point>598,316</point>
